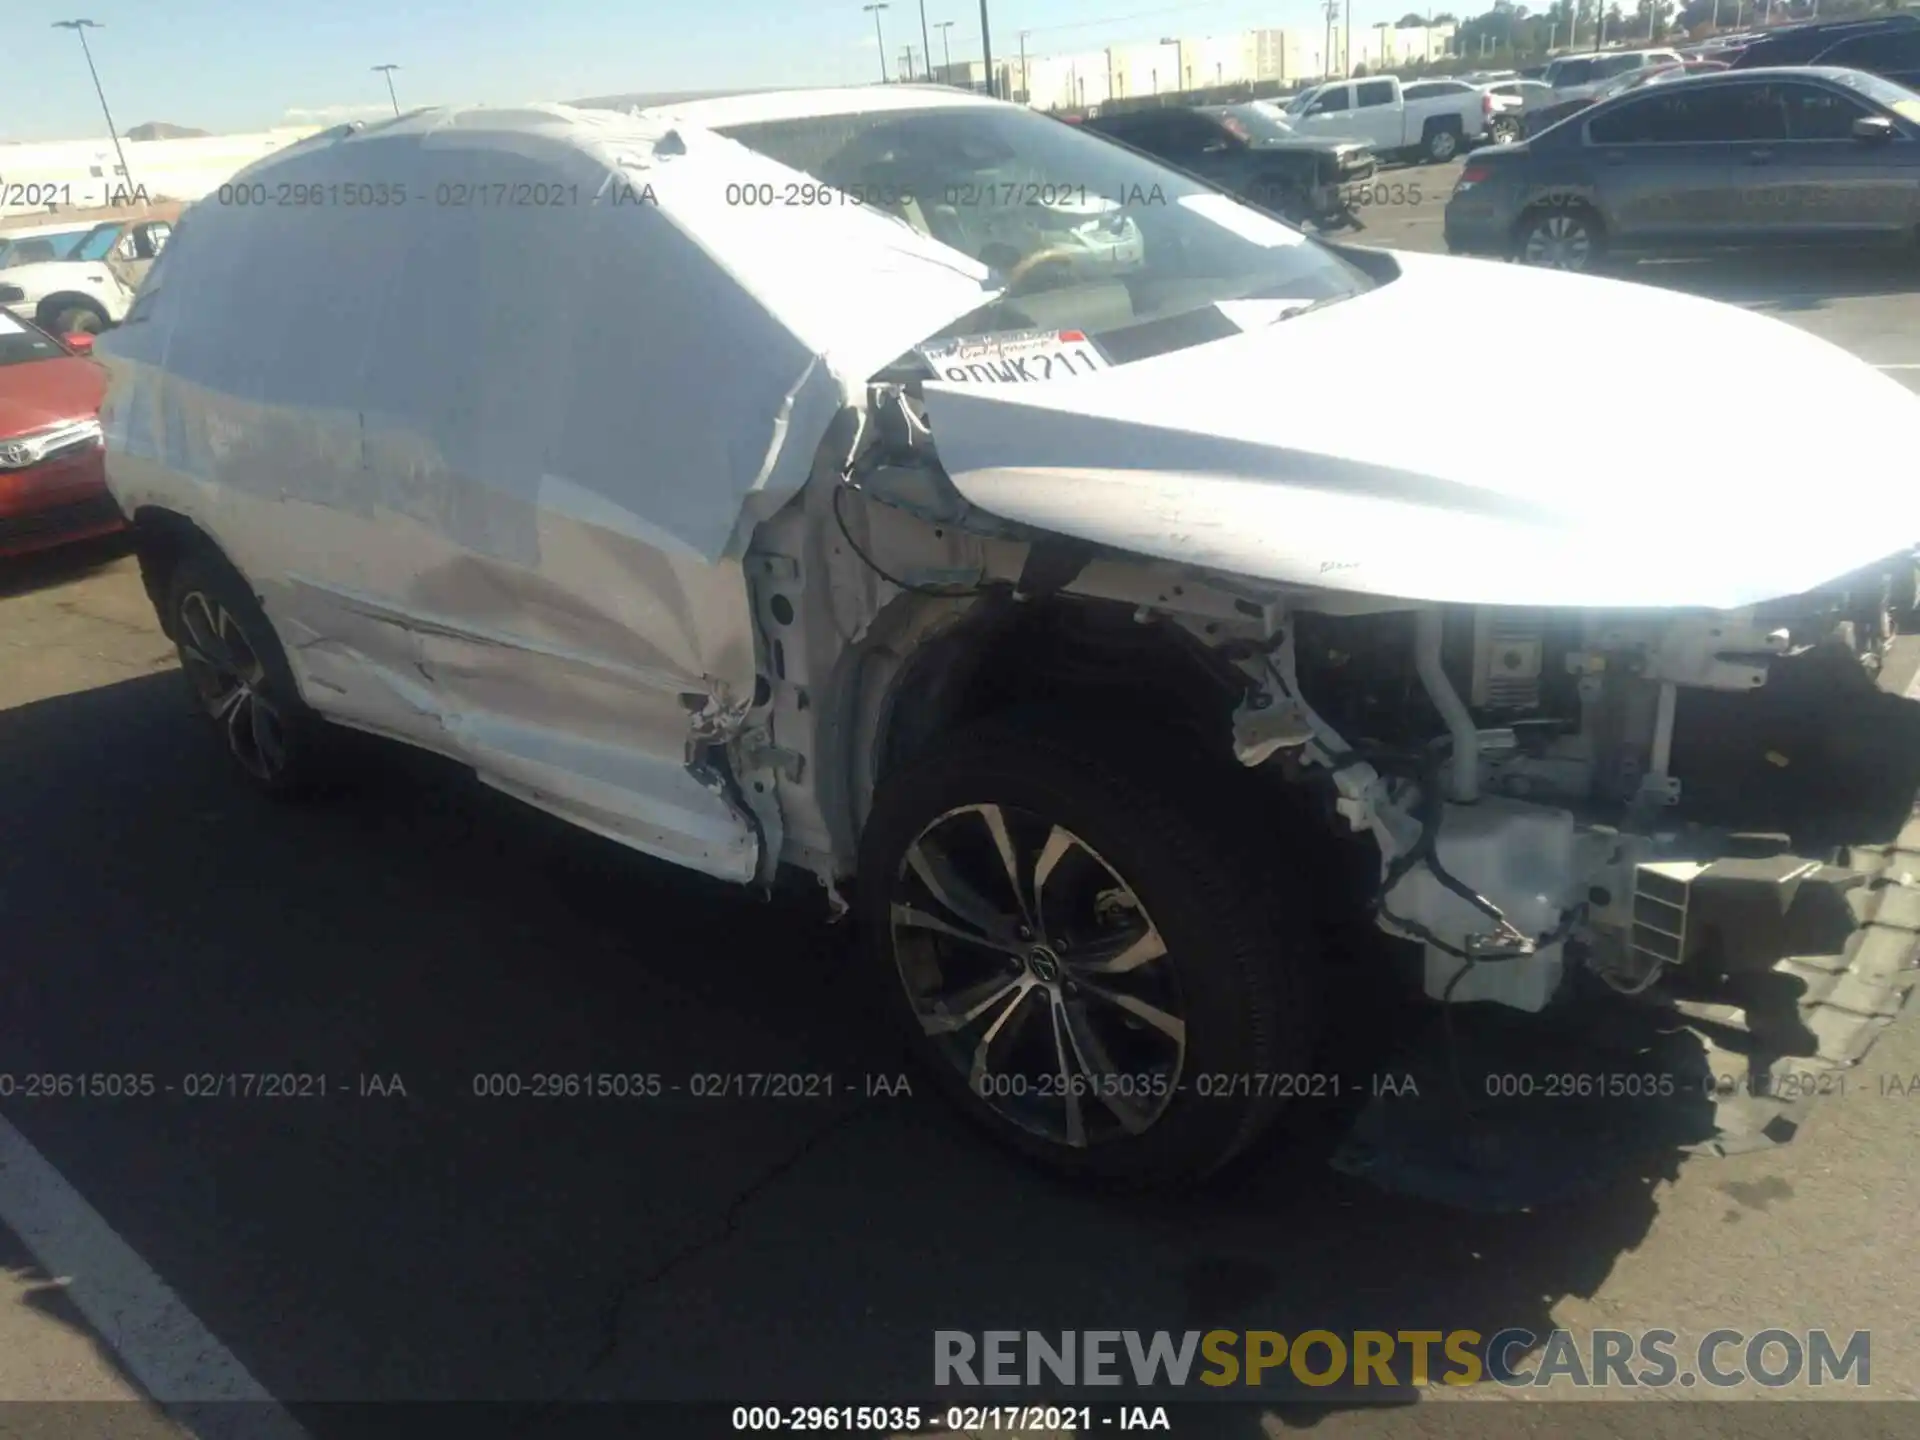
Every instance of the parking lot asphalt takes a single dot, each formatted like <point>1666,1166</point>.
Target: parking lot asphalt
<point>406,1237</point>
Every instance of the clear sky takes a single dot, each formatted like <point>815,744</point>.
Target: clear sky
<point>231,65</point>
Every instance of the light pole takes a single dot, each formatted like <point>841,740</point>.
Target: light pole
<point>906,60</point>
<point>1346,44</point>
<point>926,45</point>
<point>879,43</point>
<point>387,70</point>
<point>986,49</point>
<point>1025,91</point>
<point>80,28</point>
<point>946,54</point>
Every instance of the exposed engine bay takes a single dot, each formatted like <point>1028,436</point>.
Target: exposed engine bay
<point>1548,786</point>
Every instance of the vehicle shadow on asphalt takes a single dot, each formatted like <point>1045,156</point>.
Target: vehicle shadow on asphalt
<point>66,565</point>
<point>439,1242</point>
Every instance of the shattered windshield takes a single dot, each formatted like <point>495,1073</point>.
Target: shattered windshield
<point>1079,231</point>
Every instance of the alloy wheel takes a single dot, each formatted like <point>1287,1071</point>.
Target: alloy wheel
<point>1036,972</point>
<point>1559,242</point>
<point>229,678</point>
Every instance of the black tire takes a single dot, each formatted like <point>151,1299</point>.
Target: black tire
<point>1505,132</point>
<point>74,317</point>
<point>1443,142</point>
<point>1546,227</point>
<point>225,641</point>
<point>1237,968</point>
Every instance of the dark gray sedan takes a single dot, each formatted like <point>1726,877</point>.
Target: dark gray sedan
<point>1792,156</point>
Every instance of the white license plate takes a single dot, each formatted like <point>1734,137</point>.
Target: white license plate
<point>1014,357</point>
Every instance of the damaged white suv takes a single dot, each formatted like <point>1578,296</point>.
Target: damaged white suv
<point>681,472</point>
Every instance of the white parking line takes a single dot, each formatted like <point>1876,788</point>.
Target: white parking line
<point>168,1351</point>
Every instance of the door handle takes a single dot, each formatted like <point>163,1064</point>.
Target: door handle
<point>1762,156</point>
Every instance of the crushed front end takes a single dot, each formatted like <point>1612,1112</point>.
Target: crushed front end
<point>1703,813</point>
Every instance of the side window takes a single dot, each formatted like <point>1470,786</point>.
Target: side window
<point>1888,51</point>
<point>96,246</point>
<point>1629,125</point>
<point>1817,114</point>
<point>1746,113</point>
<point>150,239</point>
<point>1373,92</point>
<point>1331,101</point>
<point>1722,113</point>
<point>1574,72</point>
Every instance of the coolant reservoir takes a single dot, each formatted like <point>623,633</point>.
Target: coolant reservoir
<point>1522,858</point>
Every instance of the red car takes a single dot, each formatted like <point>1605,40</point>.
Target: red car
<point>53,485</point>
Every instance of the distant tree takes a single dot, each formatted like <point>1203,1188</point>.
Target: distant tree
<point>1411,21</point>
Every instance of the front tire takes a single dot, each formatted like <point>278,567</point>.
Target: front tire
<point>1561,237</point>
<point>1102,969</point>
<point>239,679</point>
<point>74,317</point>
<point>1442,145</point>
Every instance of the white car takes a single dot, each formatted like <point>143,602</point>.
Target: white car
<point>1530,95</point>
<point>1580,77</point>
<point>66,297</point>
<point>1095,644</point>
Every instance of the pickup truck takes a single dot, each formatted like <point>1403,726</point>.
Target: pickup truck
<point>1248,151</point>
<point>1432,120</point>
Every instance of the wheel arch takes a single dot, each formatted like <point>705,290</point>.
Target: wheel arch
<point>932,666</point>
<point>161,539</point>
<point>51,305</point>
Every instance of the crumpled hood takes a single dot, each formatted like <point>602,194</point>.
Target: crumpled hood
<point>1339,449</point>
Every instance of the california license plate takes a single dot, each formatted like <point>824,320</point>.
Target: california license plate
<point>1015,357</point>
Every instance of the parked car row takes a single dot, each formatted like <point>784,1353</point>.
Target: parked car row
<point>1742,157</point>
